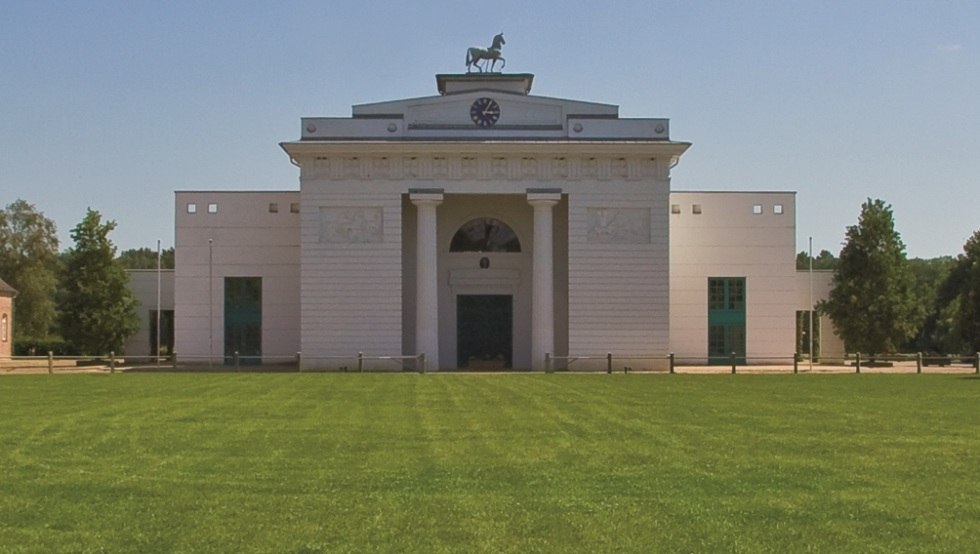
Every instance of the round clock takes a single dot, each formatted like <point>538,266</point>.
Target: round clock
<point>485,112</point>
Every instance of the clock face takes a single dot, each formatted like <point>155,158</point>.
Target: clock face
<point>485,112</point>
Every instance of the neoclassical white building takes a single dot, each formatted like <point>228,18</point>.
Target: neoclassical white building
<point>486,227</point>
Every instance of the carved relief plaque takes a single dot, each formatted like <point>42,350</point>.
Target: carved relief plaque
<point>351,225</point>
<point>618,225</point>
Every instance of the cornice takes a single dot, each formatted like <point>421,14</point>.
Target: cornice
<point>301,149</point>
<point>528,165</point>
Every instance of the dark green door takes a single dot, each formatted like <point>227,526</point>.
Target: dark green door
<point>726,319</point>
<point>484,331</point>
<point>243,319</point>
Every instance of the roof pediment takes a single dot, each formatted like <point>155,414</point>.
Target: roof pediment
<point>453,116</point>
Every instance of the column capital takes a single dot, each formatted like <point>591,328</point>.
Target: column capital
<point>425,197</point>
<point>543,197</point>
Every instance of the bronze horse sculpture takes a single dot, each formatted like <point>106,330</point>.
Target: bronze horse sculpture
<point>475,54</point>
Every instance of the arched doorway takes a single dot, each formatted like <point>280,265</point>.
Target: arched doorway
<point>484,322</point>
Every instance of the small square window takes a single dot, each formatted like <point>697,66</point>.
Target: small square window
<point>696,209</point>
<point>212,208</point>
<point>777,209</point>
<point>757,209</point>
<point>192,208</point>
<point>273,207</point>
<point>294,207</point>
<point>675,208</point>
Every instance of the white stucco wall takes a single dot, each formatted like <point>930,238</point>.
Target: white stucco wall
<point>249,241</point>
<point>831,345</point>
<point>351,277</point>
<point>618,271</point>
<point>143,285</point>
<point>727,239</point>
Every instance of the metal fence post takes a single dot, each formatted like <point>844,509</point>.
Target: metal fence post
<point>547,362</point>
<point>173,357</point>
<point>732,358</point>
<point>918,362</point>
<point>112,362</point>
<point>360,362</point>
<point>671,356</point>
<point>857,364</point>
<point>236,361</point>
<point>421,362</point>
<point>299,361</point>
<point>976,364</point>
<point>609,362</point>
<point>796,362</point>
<point>50,362</point>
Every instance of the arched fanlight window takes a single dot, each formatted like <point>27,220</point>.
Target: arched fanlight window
<point>485,234</point>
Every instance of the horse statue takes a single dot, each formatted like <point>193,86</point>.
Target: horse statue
<point>475,54</point>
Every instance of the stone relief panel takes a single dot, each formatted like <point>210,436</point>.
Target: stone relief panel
<point>351,225</point>
<point>618,225</point>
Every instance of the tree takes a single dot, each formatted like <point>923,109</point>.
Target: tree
<point>145,258</point>
<point>929,276</point>
<point>823,260</point>
<point>98,309</point>
<point>29,263</point>
<point>959,299</point>
<point>872,301</point>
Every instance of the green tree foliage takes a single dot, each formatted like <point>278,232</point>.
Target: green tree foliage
<point>872,302</point>
<point>823,260</point>
<point>930,275</point>
<point>958,302</point>
<point>98,309</point>
<point>146,258</point>
<point>29,263</point>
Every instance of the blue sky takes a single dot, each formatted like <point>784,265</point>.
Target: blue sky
<point>114,105</point>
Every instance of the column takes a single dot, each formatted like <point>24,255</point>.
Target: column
<point>426,279</point>
<point>543,275</point>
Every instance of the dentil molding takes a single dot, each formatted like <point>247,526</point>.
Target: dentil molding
<point>470,167</point>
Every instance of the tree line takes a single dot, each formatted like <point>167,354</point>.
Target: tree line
<point>72,302</point>
<point>882,302</point>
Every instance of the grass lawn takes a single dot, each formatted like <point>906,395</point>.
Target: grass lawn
<point>489,463</point>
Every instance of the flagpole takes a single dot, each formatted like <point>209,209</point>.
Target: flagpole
<point>159,257</point>
<point>810,318</point>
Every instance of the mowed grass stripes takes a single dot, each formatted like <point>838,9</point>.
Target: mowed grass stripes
<point>489,463</point>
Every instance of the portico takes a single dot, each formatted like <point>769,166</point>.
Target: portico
<point>571,201</point>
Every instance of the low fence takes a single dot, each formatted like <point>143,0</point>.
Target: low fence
<point>359,362</point>
<point>608,362</point>
<point>670,363</point>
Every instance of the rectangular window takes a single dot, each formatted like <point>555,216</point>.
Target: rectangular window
<point>273,207</point>
<point>3,328</point>
<point>243,319</point>
<point>736,294</point>
<point>716,294</point>
<point>696,209</point>
<point>212,208</point>
<point>777,209</point>
<point>675,208</point>
<point>191,208</point>
<point>726,319</point>
<point>757,209</point>
<point>294,207</point>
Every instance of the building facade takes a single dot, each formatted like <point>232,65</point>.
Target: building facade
<point>486,227</point>
<point>7,294</point>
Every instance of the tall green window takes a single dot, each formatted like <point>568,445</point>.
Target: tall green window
<point>726,319</point>
<point>243,319</point>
